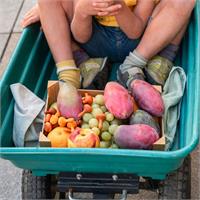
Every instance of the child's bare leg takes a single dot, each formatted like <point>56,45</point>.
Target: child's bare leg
<point>56,28</point>
<point>164,32</point>
<point>32,16</point>
<point>55,18</point>
<point>55,24</point>
<point>159,67</point>
<point>169,19</point>
<point>60,40</point>
<point>179,36</point>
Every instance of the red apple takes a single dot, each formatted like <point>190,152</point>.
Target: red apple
<point>83,138</point>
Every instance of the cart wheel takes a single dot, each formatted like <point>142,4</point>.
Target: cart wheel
<point>36,187</point>
<point>178,184</point>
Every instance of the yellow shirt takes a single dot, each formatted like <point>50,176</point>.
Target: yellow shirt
<point>110,20</point>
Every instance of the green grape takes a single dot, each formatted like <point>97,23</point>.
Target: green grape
<point>96,111</point>
<point>94,105</point>
<point>116,121</point>
<point>99,99</point>
<point>93,123</point>
<point>85,126</point>
<point>104,144</point>
<point>114,146</point>
<point>103,108</point>
<point>109,116</point>
<point>96,130</point>
<point>87,117</point>
<point>105,126</point>
<point>112,128</point>
<point>106,136</point>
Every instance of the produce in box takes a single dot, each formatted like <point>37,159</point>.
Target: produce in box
<point>91,122</point>
<point>94,127</point>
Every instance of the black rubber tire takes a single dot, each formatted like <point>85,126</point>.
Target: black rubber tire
<point>177,185</point>
<point>36,187</point>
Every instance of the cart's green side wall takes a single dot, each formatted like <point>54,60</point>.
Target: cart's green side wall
<point>32,65</point>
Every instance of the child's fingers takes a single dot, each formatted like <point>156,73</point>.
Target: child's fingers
<point>28,21</point>
<point>113,13</point>
<point>107,13</point>
<point>109,9</point>
<point>34,9</point>
<point>25,23</point>
<point>103,1</point>
<point>113,8</point>
<point>28,15</point>
<point>102,14</point>
<point>98,6</point>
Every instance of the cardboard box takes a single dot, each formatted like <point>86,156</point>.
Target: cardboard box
<point>53,88</point>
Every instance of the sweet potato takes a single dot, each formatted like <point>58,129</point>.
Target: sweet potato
<point>142,117</point>
<point>137,136</point>
<point>118,101</point>
<point>69,101</point>
<point>147,97</point>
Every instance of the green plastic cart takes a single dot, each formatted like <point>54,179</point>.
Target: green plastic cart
<point>103,170</point>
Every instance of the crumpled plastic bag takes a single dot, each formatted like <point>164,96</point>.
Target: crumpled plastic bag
<point>28,116</point>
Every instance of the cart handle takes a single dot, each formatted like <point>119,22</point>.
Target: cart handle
<point>123,196</point>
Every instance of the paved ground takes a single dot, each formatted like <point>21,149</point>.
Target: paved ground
<point>11,12</point>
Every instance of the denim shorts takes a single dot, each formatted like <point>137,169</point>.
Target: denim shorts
<point>109,42</point>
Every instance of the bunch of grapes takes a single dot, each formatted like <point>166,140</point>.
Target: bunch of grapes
<point>109,126</point>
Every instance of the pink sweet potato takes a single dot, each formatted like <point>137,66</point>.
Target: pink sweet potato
<point>69,101</point>
<point>147,97</point>
<point>117,100</point>
<point>137,136</point>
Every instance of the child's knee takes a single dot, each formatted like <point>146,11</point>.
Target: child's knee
<point>49,3</point>
<point>42,3</point>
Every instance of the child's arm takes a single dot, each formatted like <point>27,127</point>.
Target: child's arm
<point>133,22</point>
<point>81,25</point>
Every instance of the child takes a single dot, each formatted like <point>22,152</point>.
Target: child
<point>103,28</point>
<point>116,36</point>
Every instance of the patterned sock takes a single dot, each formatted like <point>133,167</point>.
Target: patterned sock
<point>169,52</point>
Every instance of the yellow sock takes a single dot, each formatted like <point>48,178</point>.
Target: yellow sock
<point>65,65</point>
<point>68,72</point>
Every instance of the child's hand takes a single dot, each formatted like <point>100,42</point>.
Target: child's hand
<point>96,7</point>
<point>112,9</point>
<point>102,4</point>
<point>31,17</point>
<point>87,7</point>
